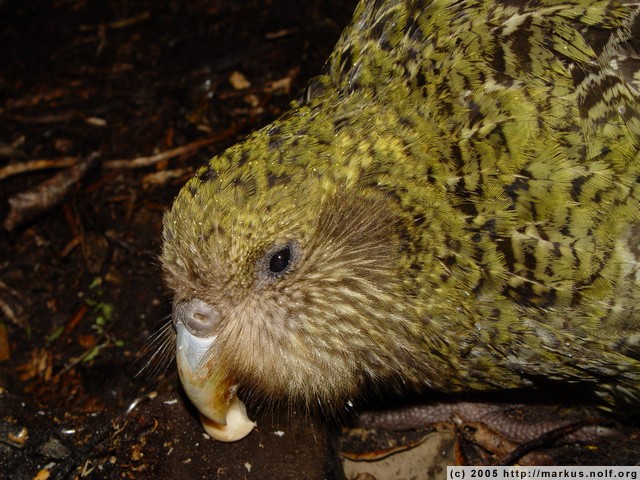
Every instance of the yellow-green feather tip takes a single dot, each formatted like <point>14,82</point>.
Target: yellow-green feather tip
<point>454,206</point>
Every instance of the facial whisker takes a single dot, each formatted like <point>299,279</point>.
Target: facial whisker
<point>158,352</point>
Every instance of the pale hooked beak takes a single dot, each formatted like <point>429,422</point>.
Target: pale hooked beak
<point>222,413</point>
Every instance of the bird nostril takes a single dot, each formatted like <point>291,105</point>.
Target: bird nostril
<point>199,317</point>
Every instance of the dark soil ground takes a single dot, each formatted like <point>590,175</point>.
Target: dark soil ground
<point>140,94</point>
<point>80,286</point>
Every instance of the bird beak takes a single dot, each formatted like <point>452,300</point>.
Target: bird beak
<point>222,413</point>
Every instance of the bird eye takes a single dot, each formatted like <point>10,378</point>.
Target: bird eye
<point>279,261</point>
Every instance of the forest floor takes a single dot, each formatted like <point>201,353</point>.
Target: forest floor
<point>107,108</point>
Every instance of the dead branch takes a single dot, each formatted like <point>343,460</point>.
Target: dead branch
<point>36,165</point>
<point>141,162</point>
<point>31,203</point>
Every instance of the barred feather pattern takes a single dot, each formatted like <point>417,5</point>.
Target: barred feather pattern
<point>479,161</point>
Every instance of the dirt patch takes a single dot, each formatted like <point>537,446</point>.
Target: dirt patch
<point>153,89</point>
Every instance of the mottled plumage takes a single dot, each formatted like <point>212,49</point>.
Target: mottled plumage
<point>458,198</point>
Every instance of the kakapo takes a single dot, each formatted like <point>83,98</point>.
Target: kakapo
<point>452,206</point>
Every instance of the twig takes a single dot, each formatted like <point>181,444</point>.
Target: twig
<point>123,23</point>
<point>141,162</point>
<point>31,203</point>
<point>75,320</point>
<point>36,165</point>
<point>138,162</point>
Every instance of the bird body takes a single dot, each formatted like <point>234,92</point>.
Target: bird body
<point>453,206</point>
